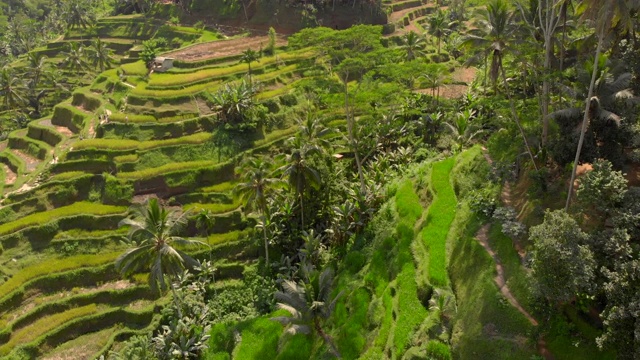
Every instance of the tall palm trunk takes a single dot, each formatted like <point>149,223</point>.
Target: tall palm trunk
<point>327,339</point>
<point>300,198</point>
<point>266,239</point>
<point>546,88</point>
<point>514,113</point>
<point>585,119</point>
<point>352,140</point>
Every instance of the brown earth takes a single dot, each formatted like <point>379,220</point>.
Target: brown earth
<point>30,161</point>
<point>222,48</point>
<point>9,176</point>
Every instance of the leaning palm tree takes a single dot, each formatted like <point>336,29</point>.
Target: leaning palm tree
<point>310,303</point>
<point>256,184</point>
<point>492,38</point>
<point>299,172</point>
<point>606,14</point>
<point>12,88</point>
<point>413,44</point>
<point>152,231</point>
<point>100,55</point>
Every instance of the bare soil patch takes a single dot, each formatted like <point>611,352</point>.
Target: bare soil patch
<point>464,74</point>
<point>61,129</point>
<point>29,160</point>
<point>9,176</point>
<point>222,48</point>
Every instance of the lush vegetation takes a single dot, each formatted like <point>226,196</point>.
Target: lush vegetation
<point>457,181</point>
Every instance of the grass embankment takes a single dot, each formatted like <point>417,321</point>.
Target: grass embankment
<point>44,325</point>
<point>125,144</point>
<point>441,214</point>
<point>486,326</point>
<point>78,208</point>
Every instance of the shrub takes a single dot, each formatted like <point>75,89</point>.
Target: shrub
<point>438,351</point>
<point>116,191</point>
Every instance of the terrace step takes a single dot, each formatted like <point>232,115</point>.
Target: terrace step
<point>9,176</point>
<point>31,163</point>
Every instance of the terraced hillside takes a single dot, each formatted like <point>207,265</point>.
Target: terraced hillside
<point>130,135</point>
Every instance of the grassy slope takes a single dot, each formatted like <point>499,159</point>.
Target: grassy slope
<point>486,326</point>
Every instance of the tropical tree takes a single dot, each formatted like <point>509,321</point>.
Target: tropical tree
<point>563,264</point>
<point>38,71</point>
<point>491,38</point>
<point>413,44</point>
<point>152,231</point>
<point>254,187</point>
<point>12,88</point>
<point>610,95</point>
<point>300,172</point>
<point>463,128</point>
<point>435,76</point>
<point>235,104</point>
<point>204,221</point>
<point>606,14</point>
<point>313,131</point>
<point>547,21</point>
<point>249,56</point>
<point>310,303</point>
<point>440,26</point>
<point>79,13</point>
<point>100,55</point>
<point>74,57</point>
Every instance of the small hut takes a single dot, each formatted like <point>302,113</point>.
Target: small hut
<point>162,64</point>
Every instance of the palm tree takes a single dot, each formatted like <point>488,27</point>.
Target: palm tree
<point>463,128</point>
<point>233,102</point>
<point>606,14</point>
<point>100,55</point>
<point>310,303</point>
<point>300,174</point>
<point>492,37</point>
<point>152,230</point>
<point>38,71</point>
<point>12,88</point>
<point>313,131</point>
<point>74,57</point>
<point>256,184</point>
<point>440,26</point>
<point>79,13</point>
<point>249,56</point>
<point>413,44</point>
<point>204,221</point>
<point>435,77</point>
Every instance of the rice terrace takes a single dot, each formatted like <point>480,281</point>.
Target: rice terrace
<point>391,179</point>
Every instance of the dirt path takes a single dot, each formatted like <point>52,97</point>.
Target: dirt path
<point>483,239</point>
<point>222,48</point>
